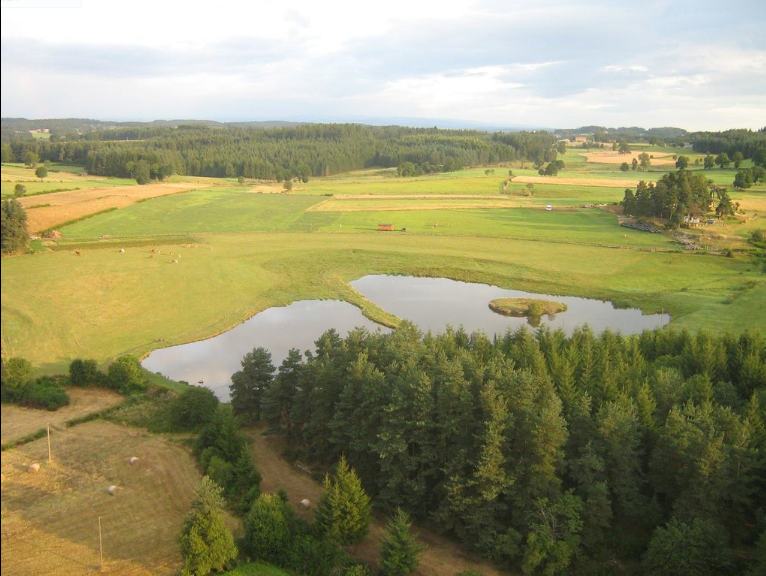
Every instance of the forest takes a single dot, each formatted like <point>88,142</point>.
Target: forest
<point>284,151</point>
<point>585,454</point>
<point>275,153</point>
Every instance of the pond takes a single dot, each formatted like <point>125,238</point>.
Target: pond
<point>430,303</point>
<point>277,329</point>
<point>433,303</point>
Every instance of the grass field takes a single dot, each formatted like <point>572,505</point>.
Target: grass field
<point>50,519</point>
<point>18,421</point>
<point>60,207</point>
<point>200,262</point>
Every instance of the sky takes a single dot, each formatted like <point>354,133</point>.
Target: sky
<point>698,65</point>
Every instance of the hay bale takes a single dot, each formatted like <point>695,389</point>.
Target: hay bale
<point>133,460</point>
<point>305,503</point>
<point>112,490</point>
<point>33,468</point>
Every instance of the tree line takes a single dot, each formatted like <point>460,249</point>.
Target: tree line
<point>277,153</point>
<point>543,452</point>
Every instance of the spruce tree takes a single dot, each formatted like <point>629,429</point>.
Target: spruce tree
<point>249,384</point>
<point>344,511</point>
<point>207,543</point>
<point>399,551</point>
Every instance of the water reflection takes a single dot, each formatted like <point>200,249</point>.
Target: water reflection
<point>431,303</point>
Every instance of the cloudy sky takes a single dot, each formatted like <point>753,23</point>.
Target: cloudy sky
<point>699,65</point>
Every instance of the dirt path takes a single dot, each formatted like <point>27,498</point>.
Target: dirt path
<point>441,557</point>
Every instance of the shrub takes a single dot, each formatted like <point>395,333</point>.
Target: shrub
<point>85,373</point>
<point>44,393</point>
<point>17,375</point>
<point>194,408</point>
<point>125,375</point>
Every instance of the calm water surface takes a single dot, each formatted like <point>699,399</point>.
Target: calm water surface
<point>278,329</point>
<point>431,303</point>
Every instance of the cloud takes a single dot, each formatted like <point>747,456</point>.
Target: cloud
<point>498,61</point>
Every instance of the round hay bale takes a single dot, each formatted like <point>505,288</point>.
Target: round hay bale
<point>133,460</point>
<point>305,503</point>
<point>112,490</point>
<point>33,468</point>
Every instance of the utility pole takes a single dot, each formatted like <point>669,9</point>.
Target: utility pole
<point>100,547</point>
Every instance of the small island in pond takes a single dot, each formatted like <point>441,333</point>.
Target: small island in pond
<point>526,307</point>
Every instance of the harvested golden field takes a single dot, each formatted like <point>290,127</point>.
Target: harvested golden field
<point>18,421</point>
<point>50,519</point>
<point>60,207</point>
<point>441,557</point>
<point>614,157</point>
<point>558,180</point>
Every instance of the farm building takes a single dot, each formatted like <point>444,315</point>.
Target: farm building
<point>388,227</point>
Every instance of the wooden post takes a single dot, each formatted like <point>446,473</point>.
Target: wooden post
<point>100,547</point>
<point>50,459</point>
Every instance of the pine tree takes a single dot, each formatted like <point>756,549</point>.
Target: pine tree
<point>267,529</point>
<point>249,384</point>
<point>344,511</point>
<point>399,550</point>
<point>207,543</point>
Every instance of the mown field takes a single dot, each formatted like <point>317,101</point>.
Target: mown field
<point>199,262</point>
<point>50,519</point>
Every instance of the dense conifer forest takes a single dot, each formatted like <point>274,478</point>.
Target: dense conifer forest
<point>282,151</point>
<point>590,453</point>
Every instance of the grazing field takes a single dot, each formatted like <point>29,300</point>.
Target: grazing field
<point>18,421</point>
<point>200,262</point>
<point>103,303</point>
<point>50,519</point>
<point>61,207</point>
<point>441,556</point>
<point>215,209</point>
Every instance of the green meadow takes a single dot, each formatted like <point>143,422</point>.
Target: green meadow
<point>198,263</point>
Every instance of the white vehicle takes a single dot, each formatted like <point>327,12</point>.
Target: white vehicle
<point>548,207</point>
